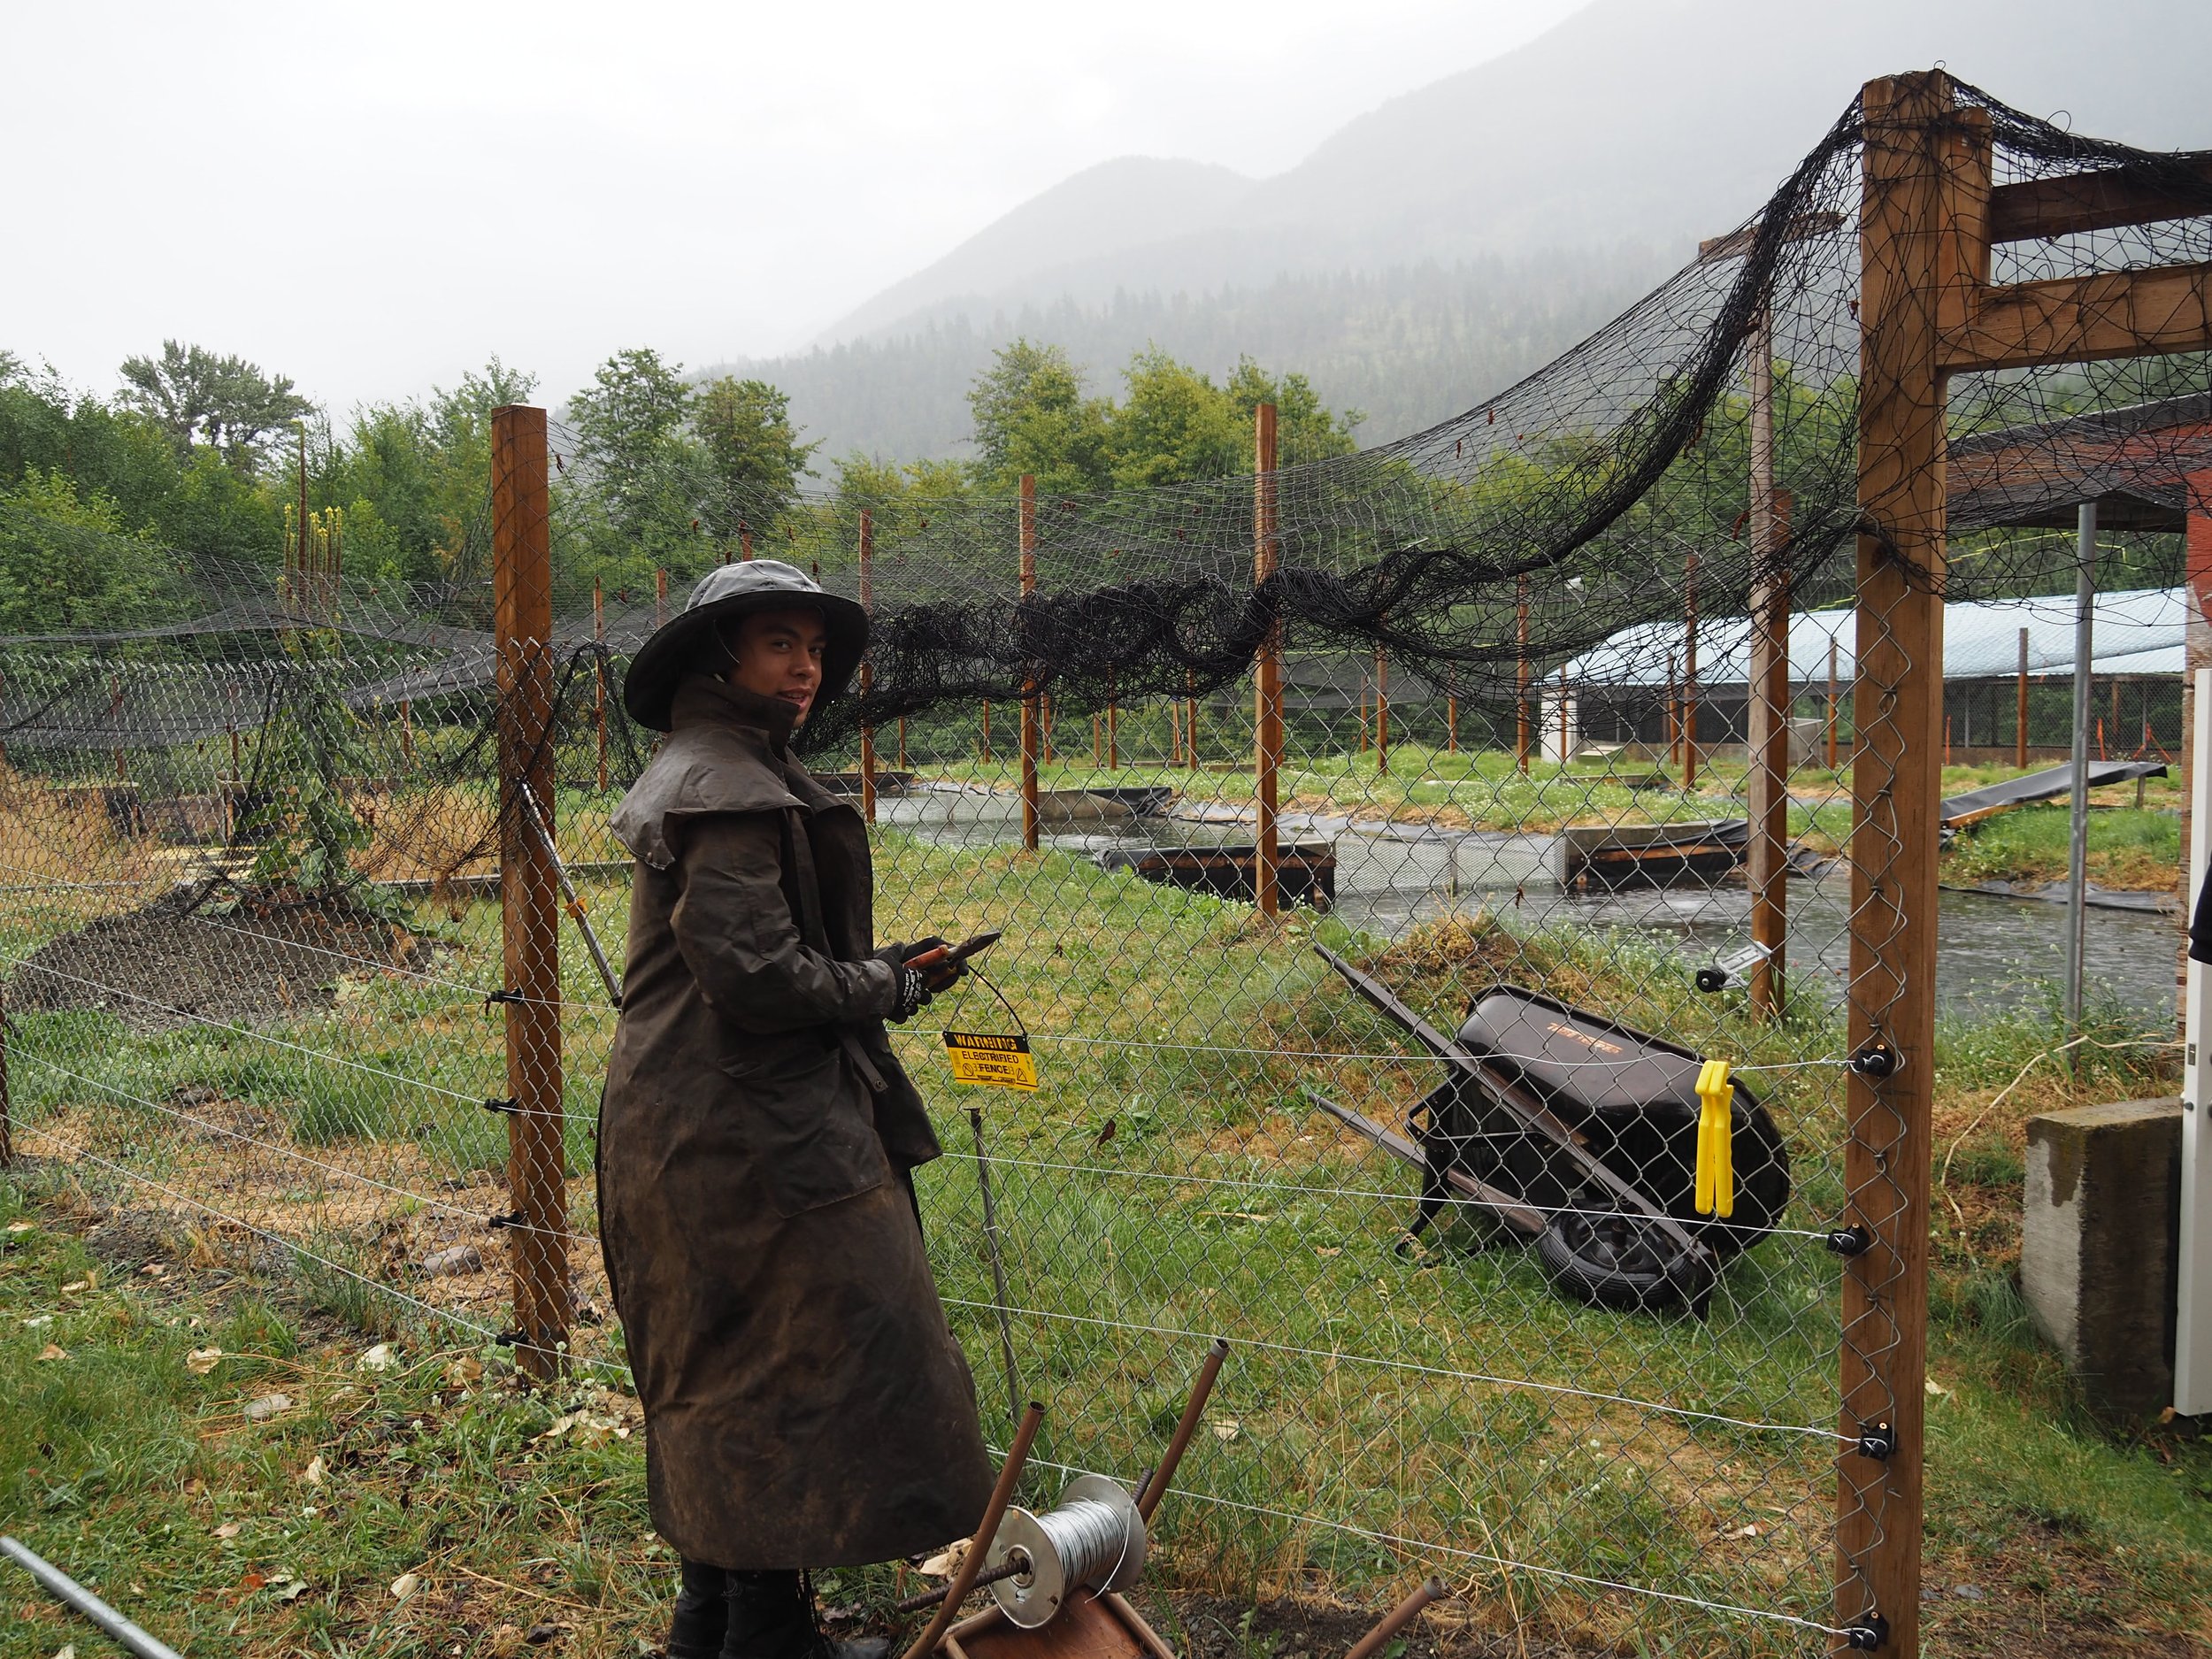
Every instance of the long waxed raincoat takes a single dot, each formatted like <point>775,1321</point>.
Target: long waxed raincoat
<point>805,1405</point>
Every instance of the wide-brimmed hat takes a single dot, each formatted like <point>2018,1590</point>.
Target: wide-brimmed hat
<point>721,596</point>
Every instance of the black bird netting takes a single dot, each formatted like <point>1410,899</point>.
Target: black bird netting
<point>1543,727</point>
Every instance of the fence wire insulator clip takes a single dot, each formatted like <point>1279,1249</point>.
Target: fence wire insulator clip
<point>1733,969</point>
<point>1877,1440</point>
<point>1868,1637</point>
<point>502,1104</point>
<point>512,1219</point>
<point>511,1339</point>
<point>1855,1240</point>
<point>1877,1060</point>
<point>501,997</point>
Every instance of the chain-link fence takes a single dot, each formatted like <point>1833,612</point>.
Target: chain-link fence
<point>322,1082</point>
<point>1382,850</point>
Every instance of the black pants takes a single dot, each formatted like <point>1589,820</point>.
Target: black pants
<point>720,1610</point>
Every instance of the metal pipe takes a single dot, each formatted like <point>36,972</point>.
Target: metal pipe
<point>1398,1619</point>
<point>998,1264</point>
<point>1267,674</point>
<point>575,906</point>
<point>986,1535</point>
<point>1030,712</point>
<point>1012,1567</point>
<point>2078,837</point>
<point>1155,1483</point>
<point>66,1590</point>
<point>867,669</point>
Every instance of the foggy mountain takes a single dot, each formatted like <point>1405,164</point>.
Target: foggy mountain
<point>1431,252</point>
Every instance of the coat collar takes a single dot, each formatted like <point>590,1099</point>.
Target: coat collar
<point>704,700</point>
<point>728,751</point>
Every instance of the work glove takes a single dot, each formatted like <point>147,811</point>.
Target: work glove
<point>941,976</point>
<point>912,988</point>
<point>913,996</point>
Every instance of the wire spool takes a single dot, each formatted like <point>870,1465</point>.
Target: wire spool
<point>1093,1538</point>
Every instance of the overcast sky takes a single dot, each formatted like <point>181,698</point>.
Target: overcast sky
<point>372,198</point>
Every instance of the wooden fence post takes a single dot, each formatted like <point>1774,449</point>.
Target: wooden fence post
<point>1906,218</point>
<point>1382,712</point>
<point>1521,676</point>
<point>1030,721</point>
<point>1267,676</point>
<point>522,596</point>
<point>1768,733</point>
<point>7,1114</point>
<point>599,678</point>
<point>1689,673</point>
<point>867,671</point>
<point>1768,781</point>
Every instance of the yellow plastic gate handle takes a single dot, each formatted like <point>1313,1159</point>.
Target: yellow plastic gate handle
<point>1716,1141</point>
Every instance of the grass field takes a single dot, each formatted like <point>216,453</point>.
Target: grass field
<point>2132,850</point>
<point>1168,1181</point>
<point>290,1177</point>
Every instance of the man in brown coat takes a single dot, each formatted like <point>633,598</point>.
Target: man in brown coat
<point>805,1404</point>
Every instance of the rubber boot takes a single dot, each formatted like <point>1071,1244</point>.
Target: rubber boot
<point>773,1617</point>
<point>703,1613</point>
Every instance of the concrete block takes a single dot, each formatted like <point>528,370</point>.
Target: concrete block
<point>2098,1244</point>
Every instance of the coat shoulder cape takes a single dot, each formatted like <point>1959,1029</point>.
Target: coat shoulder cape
<point>702,769</point>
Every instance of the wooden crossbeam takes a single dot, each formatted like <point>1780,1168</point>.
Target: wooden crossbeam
<point>2083,319</point>
<point>2104,200</point>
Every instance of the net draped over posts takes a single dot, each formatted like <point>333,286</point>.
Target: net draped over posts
<point>280,923</point>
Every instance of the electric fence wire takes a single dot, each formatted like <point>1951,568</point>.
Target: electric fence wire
<point>293,1153</point>
<point>1812,1431</point>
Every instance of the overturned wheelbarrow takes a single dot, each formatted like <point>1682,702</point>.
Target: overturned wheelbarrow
<point>1578,1134</point>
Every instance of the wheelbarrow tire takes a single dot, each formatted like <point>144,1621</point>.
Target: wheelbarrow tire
<point>1622,1261</point>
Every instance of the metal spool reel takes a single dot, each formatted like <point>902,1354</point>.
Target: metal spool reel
<point>1093,1537</point>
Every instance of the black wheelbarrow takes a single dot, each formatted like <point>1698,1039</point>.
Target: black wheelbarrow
<point>1578,1134</point>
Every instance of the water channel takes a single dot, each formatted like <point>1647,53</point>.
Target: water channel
<point>1993,954</point>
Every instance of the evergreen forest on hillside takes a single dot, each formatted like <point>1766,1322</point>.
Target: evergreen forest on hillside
<point>1411,346</point>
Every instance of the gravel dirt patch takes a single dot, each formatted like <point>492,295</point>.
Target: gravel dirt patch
<point>257,962</point>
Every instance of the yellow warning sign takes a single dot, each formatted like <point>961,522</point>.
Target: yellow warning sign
<point>992,1062</point>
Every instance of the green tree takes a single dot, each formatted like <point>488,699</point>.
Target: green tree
<point>1304,429</point>
<point>214,512</point>
<point>223,402</point>
<point>46,425</point>
<point>412,478</point>
<point>1030,415</point>
<point>1175,426</point>
<point>66,561</point>
<point>904,499</point>
<point>754,458</point>
<point>642,472</point>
